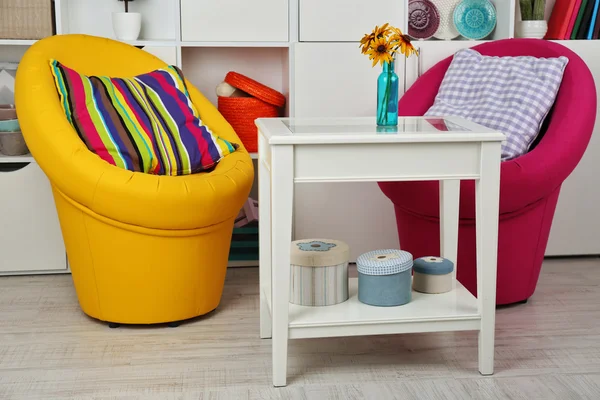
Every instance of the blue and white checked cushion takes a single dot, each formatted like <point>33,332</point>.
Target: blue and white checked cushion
<point>512,95</point>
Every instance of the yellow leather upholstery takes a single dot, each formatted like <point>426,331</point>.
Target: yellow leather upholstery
<point>142,248</point>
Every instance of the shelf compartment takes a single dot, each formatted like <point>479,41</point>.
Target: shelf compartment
<point>452,311</point>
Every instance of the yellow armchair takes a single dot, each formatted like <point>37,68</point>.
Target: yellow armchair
<point>142,248</point>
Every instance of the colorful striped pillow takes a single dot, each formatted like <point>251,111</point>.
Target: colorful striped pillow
<point>145,123</point>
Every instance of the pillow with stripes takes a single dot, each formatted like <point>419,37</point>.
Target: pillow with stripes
<point>145,123</point>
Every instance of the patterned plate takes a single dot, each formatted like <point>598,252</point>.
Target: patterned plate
<point>423,19</point>
<point>475,19</point>
<point>447,30</point>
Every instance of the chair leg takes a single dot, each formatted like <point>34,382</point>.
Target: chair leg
<point>113,325</point>
<point>174,324</point>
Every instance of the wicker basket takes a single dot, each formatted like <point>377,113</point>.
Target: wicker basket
<point>26,19</point>
<point>241,112</point>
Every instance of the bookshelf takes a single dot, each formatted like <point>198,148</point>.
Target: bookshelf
<point>306,47</point>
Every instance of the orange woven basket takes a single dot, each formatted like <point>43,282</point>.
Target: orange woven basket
<point>241,112</point>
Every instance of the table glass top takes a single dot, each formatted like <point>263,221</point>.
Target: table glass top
<point>364,127</point>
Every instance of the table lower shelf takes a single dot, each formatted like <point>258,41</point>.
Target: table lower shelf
<point>452,311</point>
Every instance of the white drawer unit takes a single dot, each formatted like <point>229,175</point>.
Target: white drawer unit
<point>166,53</point>
<point>234,20</point>
<point>30,236</point>
<point>346,20</point>
<point>336,80</point>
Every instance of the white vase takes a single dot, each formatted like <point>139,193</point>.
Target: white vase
<point>532,29</point>
<point>127,25</point>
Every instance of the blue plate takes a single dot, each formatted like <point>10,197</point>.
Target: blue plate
<point>475,19</point>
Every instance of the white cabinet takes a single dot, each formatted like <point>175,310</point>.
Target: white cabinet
<point>576,225</point>
<point>335,80</point>
<point>234,20</point>
<point>430,53</point>
<point>346,20</point>
<point>30,236</point>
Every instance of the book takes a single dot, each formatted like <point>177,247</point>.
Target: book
<point>590,33</point>
<point>578,20</point>
<point>597,27</point>
<point>586,20</point>
<point>559,19</point>
<point>572,20</point>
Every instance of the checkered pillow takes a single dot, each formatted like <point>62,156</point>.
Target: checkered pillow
<point>510,94</point>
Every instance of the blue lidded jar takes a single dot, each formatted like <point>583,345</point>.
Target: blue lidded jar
<point>385,277</point>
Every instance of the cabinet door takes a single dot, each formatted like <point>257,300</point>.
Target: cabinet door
<point>166,53</point>
<point>430,53</point>
<point>234,20</point>
<point>30,235</point>
<point>335,80</point>
<point>346,20</point>
<point>576,225</point>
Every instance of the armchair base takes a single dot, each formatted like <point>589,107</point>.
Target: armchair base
<point>126,274</point>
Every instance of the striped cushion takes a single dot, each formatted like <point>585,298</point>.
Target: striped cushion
<point>145,123</point>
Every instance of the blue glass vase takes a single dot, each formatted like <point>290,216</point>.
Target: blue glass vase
<point>387,96</point>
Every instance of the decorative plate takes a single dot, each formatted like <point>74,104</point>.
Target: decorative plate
<point>423,19</point>
<point>475,19</point>
<point>446,30</point>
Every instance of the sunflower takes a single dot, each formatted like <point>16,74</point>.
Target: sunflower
<point>402,43</point>
<point>380,51</point>
<point>377,33</point>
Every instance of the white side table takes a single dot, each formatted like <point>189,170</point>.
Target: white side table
<point>295,151</point>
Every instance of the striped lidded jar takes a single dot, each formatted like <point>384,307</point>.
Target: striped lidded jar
<point>319,272</point>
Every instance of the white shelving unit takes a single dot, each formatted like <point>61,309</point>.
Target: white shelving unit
<point>308,50</point>
<point>456,310</point>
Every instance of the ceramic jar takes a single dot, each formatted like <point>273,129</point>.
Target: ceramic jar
<point>432,275</point>
<point>384,277</point>
<point>319,272</point>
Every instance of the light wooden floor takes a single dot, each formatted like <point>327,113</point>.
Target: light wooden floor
<point>547,349</point>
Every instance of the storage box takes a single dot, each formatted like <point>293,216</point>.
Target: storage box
<point>384,277</point>
<point>13,144</point>
<point>241,112</point>
<point>26,19</point>
<point>244,243</point>
<point>432,275</point>
<point>319,272</point>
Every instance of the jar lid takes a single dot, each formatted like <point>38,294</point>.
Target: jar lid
<point>319,252</point>
<point>433,265</point>
<point>256,89</point>
<point>384,262</point>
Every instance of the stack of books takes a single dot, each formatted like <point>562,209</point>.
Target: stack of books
<point>574,20</point>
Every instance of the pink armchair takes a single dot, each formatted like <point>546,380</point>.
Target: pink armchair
<point>529,187</point>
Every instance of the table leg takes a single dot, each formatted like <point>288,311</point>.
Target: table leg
<point>449,205</point>
<point>264,237</point>
<point>282,196</point>
<point>487,190</point>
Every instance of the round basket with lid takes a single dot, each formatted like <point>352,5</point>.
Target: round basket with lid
<point>319,272</point>
<point>385,277</point>
<point>432,275</point>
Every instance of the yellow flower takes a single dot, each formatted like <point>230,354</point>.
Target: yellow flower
<point>402,42</point>
<point>380,51</point>
<point>377,33</point>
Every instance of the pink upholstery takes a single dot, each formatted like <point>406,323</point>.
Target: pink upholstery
<point>530,184</point>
